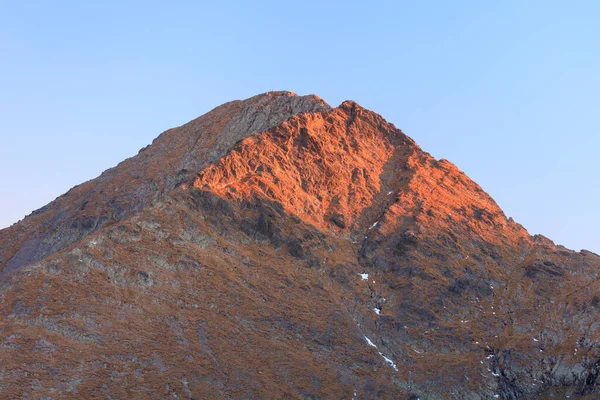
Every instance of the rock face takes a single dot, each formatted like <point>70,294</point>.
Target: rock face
<point>278,248</point>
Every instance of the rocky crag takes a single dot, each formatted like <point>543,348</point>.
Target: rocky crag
<point>277,247</point>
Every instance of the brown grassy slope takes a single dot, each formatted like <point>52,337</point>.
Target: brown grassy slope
<point>176,301</point>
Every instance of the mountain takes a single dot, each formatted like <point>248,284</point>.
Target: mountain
<point>277,247</point>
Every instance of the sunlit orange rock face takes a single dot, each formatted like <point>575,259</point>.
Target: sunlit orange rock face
<point>279,248</point>
<point>316,166</point>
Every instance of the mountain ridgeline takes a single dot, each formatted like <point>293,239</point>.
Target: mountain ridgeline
<point>277,247</point>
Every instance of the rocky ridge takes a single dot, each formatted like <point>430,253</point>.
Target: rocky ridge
<point>139,181</point>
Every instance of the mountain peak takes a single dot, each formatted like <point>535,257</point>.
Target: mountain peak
<point>274,93</point>
<point>278,228</point>
<point>318,165</point>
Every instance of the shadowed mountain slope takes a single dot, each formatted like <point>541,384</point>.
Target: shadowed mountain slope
<point>285,249</point>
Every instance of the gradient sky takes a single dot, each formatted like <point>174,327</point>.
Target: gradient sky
<point>509,91</point>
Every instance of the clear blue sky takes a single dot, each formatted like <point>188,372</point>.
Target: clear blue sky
<point>507,90</point>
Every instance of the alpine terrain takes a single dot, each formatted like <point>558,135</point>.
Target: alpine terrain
<point>280,248</point>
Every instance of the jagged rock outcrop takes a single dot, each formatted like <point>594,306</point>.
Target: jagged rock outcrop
<point>279,248</point>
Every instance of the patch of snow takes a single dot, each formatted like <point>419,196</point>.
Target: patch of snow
<point>496,396</point>
<point>535,340</point>
<point>364,277</point>
<point>387,360</point>
<point>390,192</point>
<point>377,311</point>
<point>369,342</point>
<point>490,356</point>
<point>374,225</point>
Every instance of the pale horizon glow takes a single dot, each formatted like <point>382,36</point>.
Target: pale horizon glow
<point>507,91</point>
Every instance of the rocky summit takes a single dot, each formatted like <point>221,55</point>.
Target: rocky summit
<point>279,248</point>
